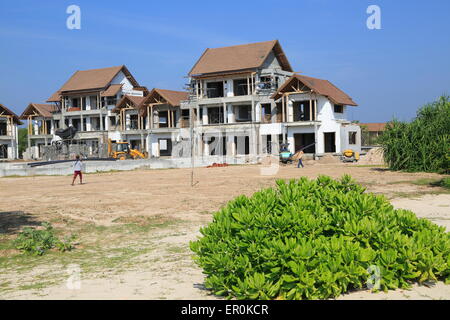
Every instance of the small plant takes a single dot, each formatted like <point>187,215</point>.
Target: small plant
<point>39,241</point>
<point>317,239</point>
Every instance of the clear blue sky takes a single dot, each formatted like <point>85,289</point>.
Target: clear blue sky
<point>388,72</point>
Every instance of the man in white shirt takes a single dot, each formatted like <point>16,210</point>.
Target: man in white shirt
<point>77,166</point>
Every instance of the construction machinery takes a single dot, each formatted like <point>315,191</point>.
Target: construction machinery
<point>121,150</point>
<point>350,155</point>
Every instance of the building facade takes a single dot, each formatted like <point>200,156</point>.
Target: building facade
<point>9,134</point>
<point>243,100</point>
<point>246,101</point>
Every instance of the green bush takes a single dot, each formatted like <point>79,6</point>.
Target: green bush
<point>423,144</point>
<point>39,241</point>
<point>445,183</point>
<point>316,239</point>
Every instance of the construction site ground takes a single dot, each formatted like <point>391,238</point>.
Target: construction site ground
<point>133,228</point>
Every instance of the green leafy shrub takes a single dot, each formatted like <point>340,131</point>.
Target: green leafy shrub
<point>445,183</point>
<point>316,239</point>
<point>39,241</point>
<point>421,145</point>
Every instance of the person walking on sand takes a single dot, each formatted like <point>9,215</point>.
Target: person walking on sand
<point>299,158</point>
<point>77,166</point>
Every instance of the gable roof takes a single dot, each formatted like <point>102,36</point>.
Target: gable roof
<point>172,97</point>
<point>5,111</point>
<point>44,110</point>
<point>111,91</point>
<point>320,86</point>
<point>240,57</point>
<point>92,79</point>
<point>135,102</point>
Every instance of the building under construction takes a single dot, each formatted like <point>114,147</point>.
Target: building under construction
<point>241,101</point>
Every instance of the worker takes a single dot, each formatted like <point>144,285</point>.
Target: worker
<point>77,167</point>
<point>299,157</point>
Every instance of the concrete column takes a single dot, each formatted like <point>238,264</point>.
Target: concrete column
<point>290,111</point>
<point>231,146</point>
<point>88,124</point>
<point>205,147</point>
<point>230,89</point>
<point>258,112</point>
<point>127,121</point>
<point>101,121</point>
<point>273,117</point>
<point>36,127</point>
<point>230,114</point>
<point>225,116</point>
<point>82,128</point>
<point>205,116</point>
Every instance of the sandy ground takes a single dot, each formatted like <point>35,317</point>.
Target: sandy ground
<point>167,271</point>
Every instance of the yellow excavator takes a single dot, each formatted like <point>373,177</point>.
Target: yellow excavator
<point>122,151</point>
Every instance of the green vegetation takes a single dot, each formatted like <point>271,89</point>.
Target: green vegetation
<point>38,241</point>
<point>445,183</point>
<point>23,137</point>
<point>316,239</point>
<point>423,144</point>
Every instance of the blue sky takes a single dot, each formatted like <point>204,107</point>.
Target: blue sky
<point>388,72</point>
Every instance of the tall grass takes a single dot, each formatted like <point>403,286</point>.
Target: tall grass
<point>423,144</point>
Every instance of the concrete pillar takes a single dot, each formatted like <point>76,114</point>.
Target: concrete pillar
<point>101,121</point>
<point>290,111</point>
<point>258,112</point>
<point>82,128</point>
<point>231,118</point>
<point>273,117</point>
<point>36,127</point>
<point>88,124</point>
<point>127,122</point>
<point>205,116</point>
<point>225,116</point>
<point>205,146</point>
<point>231,146</point>
<point>230,89</point>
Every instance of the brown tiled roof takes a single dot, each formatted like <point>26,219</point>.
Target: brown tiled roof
<point>5,111</point>
<point>44,110</point>
<point>246,56</point>
<point>381,126</point>
<point>135,101</point>
<point>93,79</point>
<point>320,86</point>
<point>56,97</point>
<point>111,91</point>
<point>171,97</point>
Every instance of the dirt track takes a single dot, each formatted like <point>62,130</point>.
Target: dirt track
<point>112,200</point>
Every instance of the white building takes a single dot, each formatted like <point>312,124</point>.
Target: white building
<point>246,101</point>
<point>86,100</point>
<point>9,135</point>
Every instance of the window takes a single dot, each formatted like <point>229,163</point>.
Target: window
<point>93,102</point>
<point>244,113</point>
<point>240,87</point>
<point>111,101</point>
<point>214,89</point>
<point>338,108</point>
<point>352,137</point>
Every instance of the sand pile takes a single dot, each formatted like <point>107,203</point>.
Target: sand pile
<point>328,159</point>
<point>374,156</point>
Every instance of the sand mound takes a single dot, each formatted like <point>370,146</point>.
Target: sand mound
<point>328,159</point>
<point>374,156</point>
